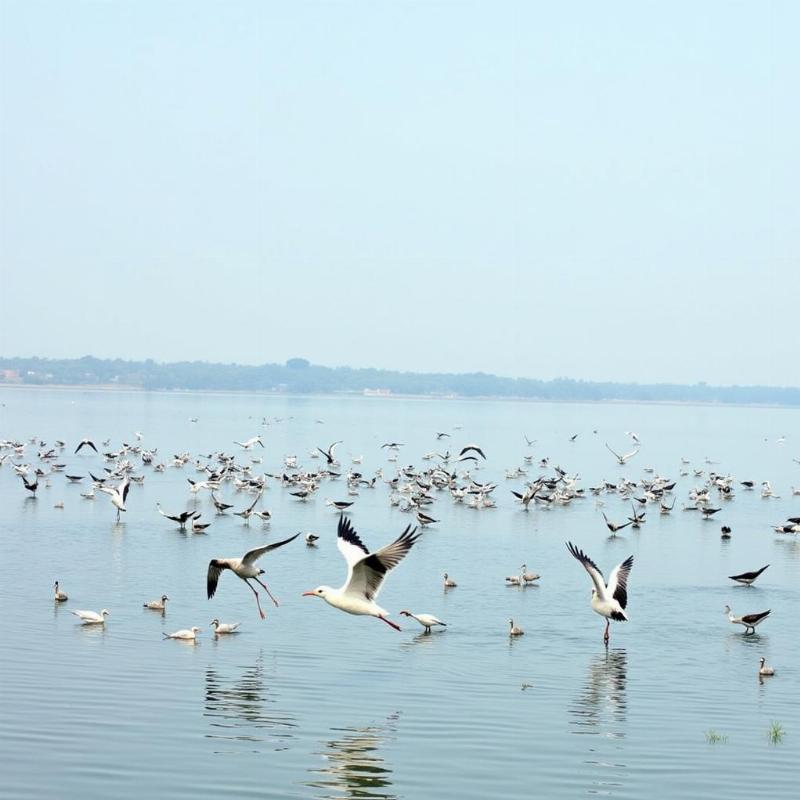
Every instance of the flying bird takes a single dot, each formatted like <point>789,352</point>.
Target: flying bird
<point>608,600</point>
<point>85,443</point>
<point>245,569</point>
<point>329,453</point>
<point>365,572</point>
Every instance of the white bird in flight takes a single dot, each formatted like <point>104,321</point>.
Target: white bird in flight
<point>365,572</point>
<point>245,567</point>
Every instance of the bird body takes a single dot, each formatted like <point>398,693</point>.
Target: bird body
<point>224,627</point>
<point>365,572</point>
<point>747,578</point>
<point>91,617</point>
<point>427,621</point>
<point>245,568</point>
<point>748,621</point>
<point>157,605</point>
<point>608,600</point>
<point>59,597</point>
<point>763,669</point>
<point>186,633</point>
<point>514,630</point>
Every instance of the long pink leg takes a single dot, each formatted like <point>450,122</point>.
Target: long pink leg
<point>396,627</point>
<point>258,602</point>
<point>268,591</point>
<point>605,636</point>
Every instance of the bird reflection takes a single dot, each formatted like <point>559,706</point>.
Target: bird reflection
<point>354,769</point>
<point>238,709</point>
<point>601,707</point>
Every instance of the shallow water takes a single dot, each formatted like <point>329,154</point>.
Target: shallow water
<point>312,703</point>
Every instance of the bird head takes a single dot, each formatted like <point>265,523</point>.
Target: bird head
<point>195,630</point>
<point>762,660</point>
<point>104,612</point>
<point>405,613</point>
<point>214,622</point>
<point>727,609</point>
<point>164,598</point>
<point>320,591</point>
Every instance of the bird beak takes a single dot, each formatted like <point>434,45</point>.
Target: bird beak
<point>307,594</point>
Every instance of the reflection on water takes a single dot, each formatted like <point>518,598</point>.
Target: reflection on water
<point>237,708</point>
<point>601,706</point>
<point>354,769</point>
<point>601,709</point>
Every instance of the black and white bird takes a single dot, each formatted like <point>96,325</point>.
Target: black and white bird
<point>245,568</point>
<point>365,572</point>
<point>181,518</point>
<point>118,494</point>
<point>331,459</point>
<point>311,539</point>
<point>608,600</point>
<point>85,443</point>
<point>747,578</point>
<point>613,526</point>
<point>749,621</point>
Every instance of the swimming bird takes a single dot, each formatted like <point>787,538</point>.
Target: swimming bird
<point>763,669</point>
<point>59,597</point>
<point>224,627</point>
<point>608,600</point>
<point>365,572</point>
<point>311,539</point>
<point>424,519</point>
<point>190,633</point>
<point>449,583</point>
<point>749,621</point>
<point>529,577</point>
<point>726,533</point>
<point>157,605</point>
<point>426,620</point>
<point>245,569</point>
<point>514,630</point>
<point>92,617</point>
<point>747,578</point>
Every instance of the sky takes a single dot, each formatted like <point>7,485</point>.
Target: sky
<point>602,191</point>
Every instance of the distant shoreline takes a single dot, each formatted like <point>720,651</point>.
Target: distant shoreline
<point>122,388</point>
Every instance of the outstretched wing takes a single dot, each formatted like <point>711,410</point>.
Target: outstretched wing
<point>618,581</point>
<point>214,571</point>
<point>594,572</point>
<point>366,576</point>
<point>350,545</point>
<point>613,451</point>
<point>253,555</point>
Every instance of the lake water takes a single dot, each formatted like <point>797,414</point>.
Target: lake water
<point>313,703</point>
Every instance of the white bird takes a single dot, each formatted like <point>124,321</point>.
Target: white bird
<point>186,633</point>
<point>365,572</point>
<point>514,630</point>
<point>622,459</point>
<point>157,605</point>
<point>92,617</point>
<point>224,627</point>
<point>250,442</point>
<point>749,621</point>
<point>608,600</point>
<point>60,597</point>
<point>426,620</point>
<point>449,583</point>
<point>763,669</point>
<point>118,495</point>
<point>244,568</point>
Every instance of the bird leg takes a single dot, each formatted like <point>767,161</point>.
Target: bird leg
<point>396,627</point>
<point>268,591</point>
<point>258,602</point>
<point>605,635</point>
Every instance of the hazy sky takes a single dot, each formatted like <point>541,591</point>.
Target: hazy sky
<point>594,190</point>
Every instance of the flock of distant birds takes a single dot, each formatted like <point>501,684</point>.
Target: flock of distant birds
<point>411,490</point>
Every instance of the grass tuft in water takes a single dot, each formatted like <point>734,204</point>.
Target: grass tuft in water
<point>713,737</point>
<point>775,733</point>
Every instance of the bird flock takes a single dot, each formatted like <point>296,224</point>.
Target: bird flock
<point>410,489</point>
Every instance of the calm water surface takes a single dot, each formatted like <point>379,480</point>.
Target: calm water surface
<point>312,703</point>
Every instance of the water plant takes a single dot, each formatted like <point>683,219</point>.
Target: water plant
<point>775,733</point>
